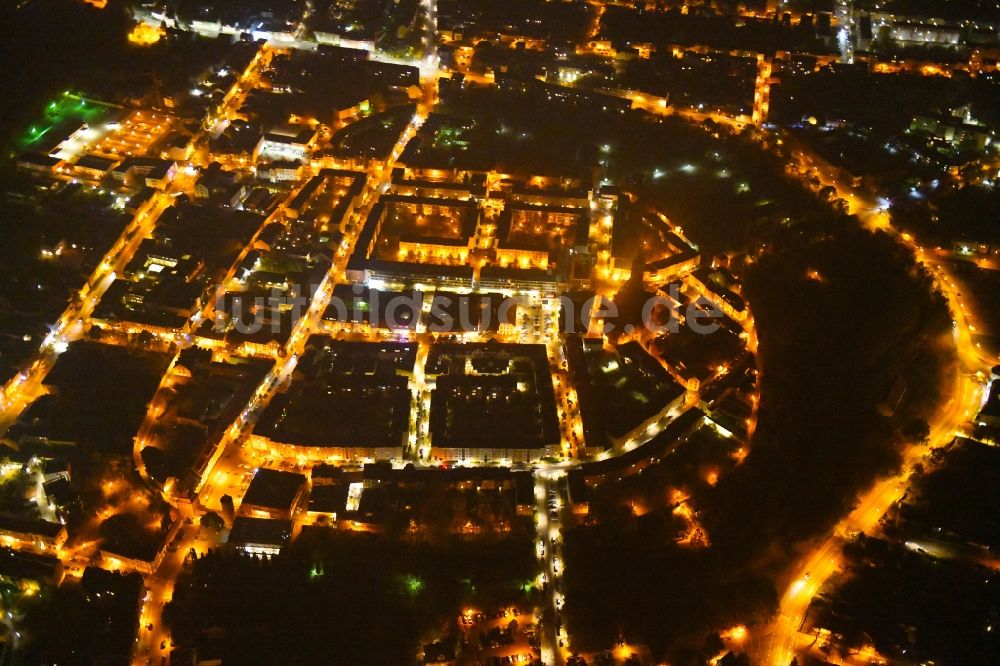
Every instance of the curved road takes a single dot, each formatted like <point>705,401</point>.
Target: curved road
<point>780,641</point>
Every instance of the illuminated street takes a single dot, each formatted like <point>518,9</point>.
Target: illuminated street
<point>452,332</point>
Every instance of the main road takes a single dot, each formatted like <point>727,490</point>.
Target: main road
<point>550,504</point>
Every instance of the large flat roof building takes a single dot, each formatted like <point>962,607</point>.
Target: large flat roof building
<point>260,536</point>
<point>273,494</point>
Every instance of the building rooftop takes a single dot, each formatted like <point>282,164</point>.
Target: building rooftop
<point>296,135</point>
<point>96,162</point>
<point>28,566</point>
<point>19,525</point>
<point>260,531</point>
<point>38,160</point>
<point>274,489</point>
<point>329,498</point>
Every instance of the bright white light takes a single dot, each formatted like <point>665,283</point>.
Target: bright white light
<point>843,37</point>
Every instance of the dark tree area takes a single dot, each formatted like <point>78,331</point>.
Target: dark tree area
<point>125,534</point>
<point>831,349</point>
<point>341,597</point>
<point>66,32</point>
<point>102,416</point>
<point>966,214</point>
<point>627,578</point>
<point>841,318</point>
<point>755,200</point>
<point>859,97</point>
<point>957,501</point>
<point>90,622</point>
<point>912,607</point>
<point>623,26</point>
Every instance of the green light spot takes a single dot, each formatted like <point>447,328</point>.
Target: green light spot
<point>413,584</point>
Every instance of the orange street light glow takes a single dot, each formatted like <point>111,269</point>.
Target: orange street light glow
<point>144,34</point>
